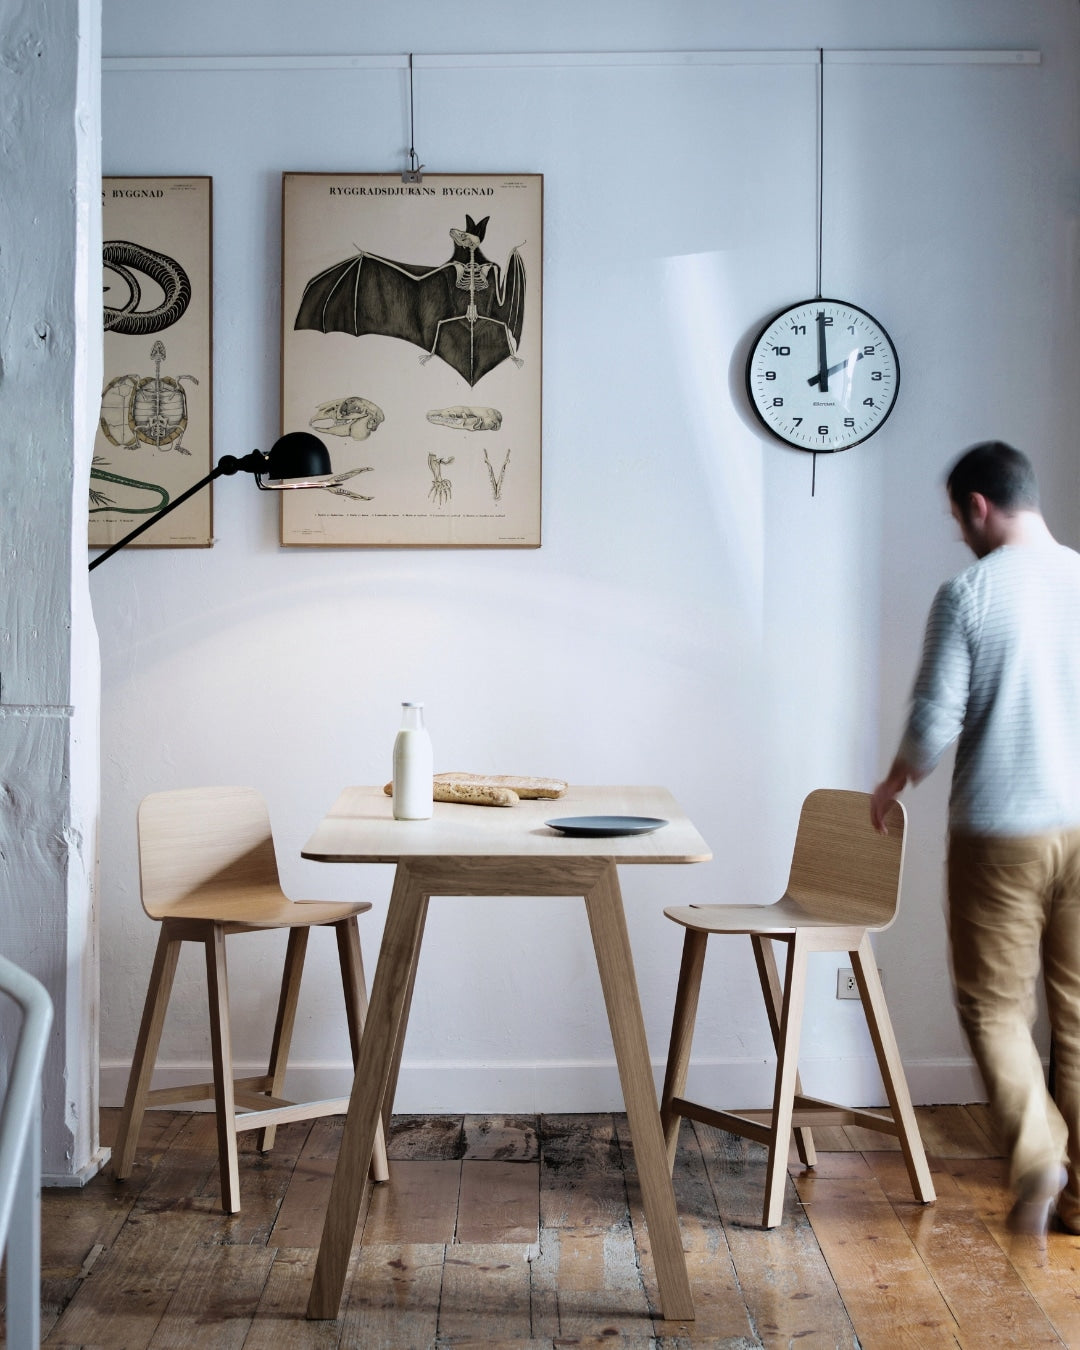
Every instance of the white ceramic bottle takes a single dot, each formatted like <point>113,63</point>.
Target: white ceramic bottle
<point>413,766</point>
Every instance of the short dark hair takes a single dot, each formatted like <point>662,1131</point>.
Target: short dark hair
<point>999,472</point>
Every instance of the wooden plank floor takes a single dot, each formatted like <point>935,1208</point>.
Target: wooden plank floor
<point>526,1233</point>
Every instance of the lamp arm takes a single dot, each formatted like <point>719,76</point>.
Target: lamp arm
<point>228,464</point>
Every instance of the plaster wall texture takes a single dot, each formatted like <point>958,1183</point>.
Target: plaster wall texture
<point>695,616</point>
<point>50,372</point>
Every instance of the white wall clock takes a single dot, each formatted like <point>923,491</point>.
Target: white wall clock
<point>823,375</point>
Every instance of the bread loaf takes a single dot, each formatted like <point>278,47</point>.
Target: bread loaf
<point>470,794</point>
<point>474,794</point>
<point>524,787</point>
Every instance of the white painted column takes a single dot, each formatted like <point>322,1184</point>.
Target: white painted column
<point>50,382</point>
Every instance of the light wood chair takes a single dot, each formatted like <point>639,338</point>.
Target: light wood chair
<point>844,885</point>
<point>208,869</point>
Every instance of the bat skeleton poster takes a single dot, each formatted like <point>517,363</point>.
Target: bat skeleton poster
<point>154,429</point>
<point>411,344</point>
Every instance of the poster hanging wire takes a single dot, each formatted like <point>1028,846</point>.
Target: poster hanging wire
<point>412,174</point>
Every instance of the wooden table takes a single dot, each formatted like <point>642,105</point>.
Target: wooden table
<point>482,850</point>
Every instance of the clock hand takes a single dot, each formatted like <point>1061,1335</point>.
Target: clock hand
<point>833,369</point>
<point>822,377</point>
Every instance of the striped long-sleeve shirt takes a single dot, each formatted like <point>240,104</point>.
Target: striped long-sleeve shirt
<point>1001,670</point>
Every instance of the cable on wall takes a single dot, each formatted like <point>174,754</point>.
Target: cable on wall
<point>820,159</point>
<point>413,174</point>
<point>820,205</point>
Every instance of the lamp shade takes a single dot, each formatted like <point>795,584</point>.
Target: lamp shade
<point>298,454</point>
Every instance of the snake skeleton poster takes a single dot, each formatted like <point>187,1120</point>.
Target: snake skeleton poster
<point>411,345</point>
<point>154,431</point>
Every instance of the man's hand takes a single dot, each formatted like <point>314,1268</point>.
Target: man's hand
<point>887,791</point>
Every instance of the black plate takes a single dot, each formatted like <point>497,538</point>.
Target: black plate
<point>600,826</point>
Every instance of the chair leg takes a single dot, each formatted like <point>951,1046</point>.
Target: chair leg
<point>283,1026</point>
<point>682,1035</point>
<point>787,1053</point>
<point>765,957</point>
<point>221,1047</point>
<point>351,959</point>
<point>864,965</point>
<point>146,1048</point>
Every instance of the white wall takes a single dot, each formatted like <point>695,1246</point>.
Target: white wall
<point>694,617</point>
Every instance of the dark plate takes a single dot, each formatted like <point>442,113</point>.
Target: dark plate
<point>599,826</point>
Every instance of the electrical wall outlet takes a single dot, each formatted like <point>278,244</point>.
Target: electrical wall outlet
<point>845,982</point>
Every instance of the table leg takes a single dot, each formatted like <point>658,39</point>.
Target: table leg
<point>607,920</point>
<point>399,1045</point>
<point>385,1027</point>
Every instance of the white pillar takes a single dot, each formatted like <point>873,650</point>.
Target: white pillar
<point>50,383</point>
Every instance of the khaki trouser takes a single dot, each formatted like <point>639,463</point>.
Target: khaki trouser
<point>1011,899</point>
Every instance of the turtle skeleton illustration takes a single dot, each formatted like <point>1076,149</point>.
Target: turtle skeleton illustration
<point>441,489</point>
<point>126,260</point>
<point>146,410</point>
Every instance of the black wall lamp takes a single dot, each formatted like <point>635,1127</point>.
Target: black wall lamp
<point>297,460</point>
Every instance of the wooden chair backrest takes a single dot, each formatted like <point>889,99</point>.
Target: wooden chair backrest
<point>212,842</point>
<point>842,870</point>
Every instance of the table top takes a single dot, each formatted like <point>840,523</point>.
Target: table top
<point>360,827</point>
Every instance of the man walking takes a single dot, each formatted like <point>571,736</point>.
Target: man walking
<point>1000,674</point>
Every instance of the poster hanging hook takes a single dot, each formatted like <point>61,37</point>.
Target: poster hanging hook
<point>414,173</point>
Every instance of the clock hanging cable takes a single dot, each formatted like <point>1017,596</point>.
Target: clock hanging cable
<point>820,208</point>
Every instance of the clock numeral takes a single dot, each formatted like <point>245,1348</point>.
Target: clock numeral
<point>771,375</point>
<point>826,319</point>
<point>798,328</point>
<point>869,403</point>
<point>778,402</point>
<point>849,423</point>
<point>868,351</point>
<point>876,375</point>
<point>823,431</point>
<point>797,421</point>
<point>851,329</point>
<point>781,351</point>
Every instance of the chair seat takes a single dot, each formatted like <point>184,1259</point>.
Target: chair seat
<point>783,916</point>
<point>259,910</point>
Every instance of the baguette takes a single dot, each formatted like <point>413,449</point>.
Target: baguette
<point>524,787</point>
<point>474,794</point>
<point>469,794</point>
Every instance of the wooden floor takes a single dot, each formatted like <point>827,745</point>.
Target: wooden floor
<point>526,1234</point>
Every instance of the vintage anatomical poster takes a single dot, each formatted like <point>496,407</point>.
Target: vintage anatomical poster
<point>411,344</point>
<point>154,432</point>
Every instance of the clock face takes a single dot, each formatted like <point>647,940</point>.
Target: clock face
<point>823,375</point>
